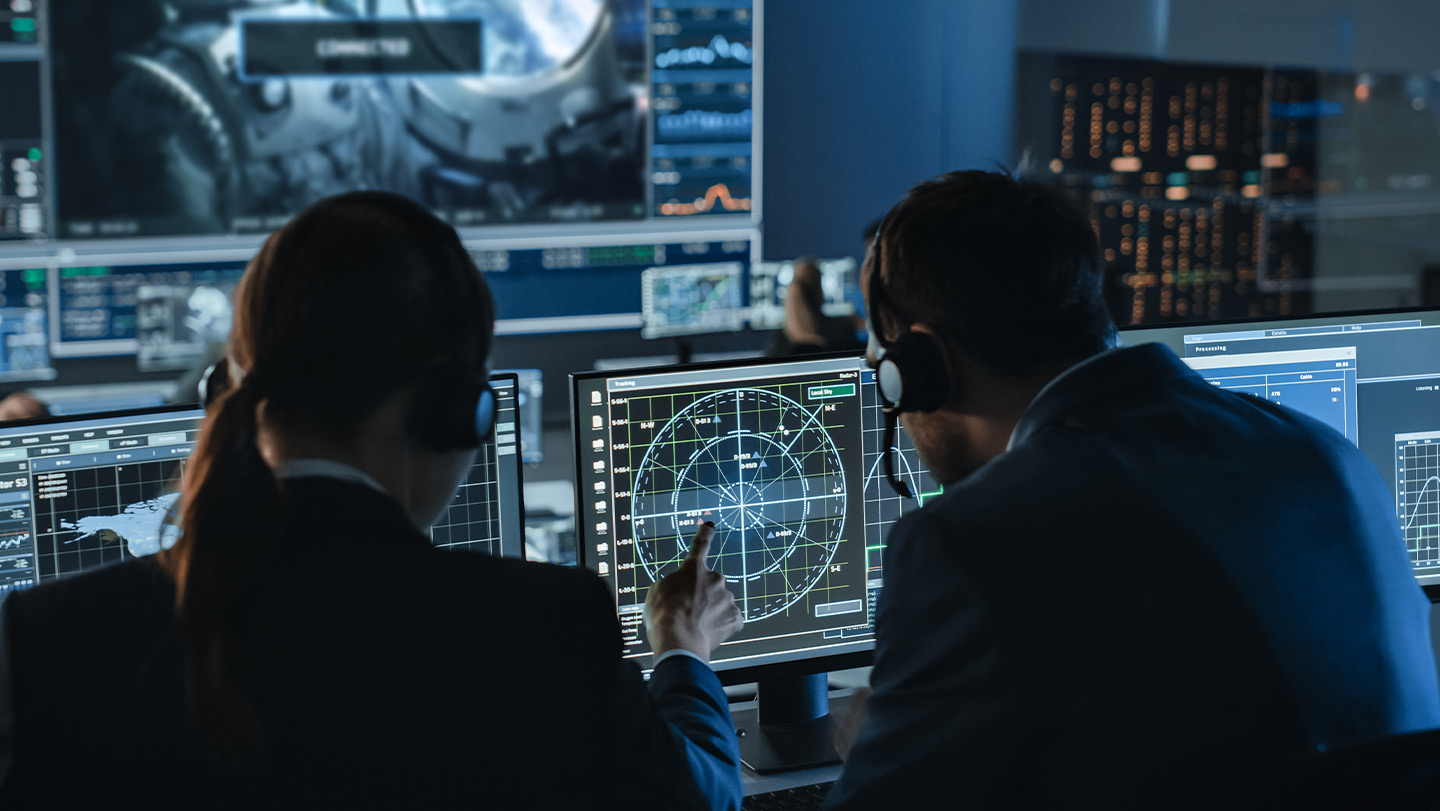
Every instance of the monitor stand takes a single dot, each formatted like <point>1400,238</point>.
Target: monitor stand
<point>790,726</point>
<point>684,350</point>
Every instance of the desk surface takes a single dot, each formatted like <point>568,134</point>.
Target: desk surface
<point>759,784</point>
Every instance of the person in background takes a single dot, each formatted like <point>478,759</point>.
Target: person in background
<point>1138,590</point>
<point>23,405</point>
<point>188,383</point>
<point>302,644</point>
<point>807,328</point>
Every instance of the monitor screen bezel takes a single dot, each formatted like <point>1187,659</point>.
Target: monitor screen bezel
<point>175,408</point>
<point>741,674</point>
<point>514,380</point>
<point>1341,314</point>
<point>652,330</point>
<point>89,416</point>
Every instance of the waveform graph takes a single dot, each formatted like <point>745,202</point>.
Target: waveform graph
<point>718,199</point>
<point>718,52</point>
<point>705,125</point>
<point>1417,496</point>
<point>766,469</point>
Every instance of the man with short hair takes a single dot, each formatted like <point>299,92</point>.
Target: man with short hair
<point>1136,586</point>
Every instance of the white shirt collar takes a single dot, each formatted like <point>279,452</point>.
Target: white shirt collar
<point>328,469</point>
<point>1056,379</point>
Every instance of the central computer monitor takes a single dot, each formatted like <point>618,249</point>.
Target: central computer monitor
<point>81,492</point>
<point>692,299</point>
<point>1373,376</point>
<point>785,458</point>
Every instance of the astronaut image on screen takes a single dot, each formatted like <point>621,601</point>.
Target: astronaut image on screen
<point>165,126</point>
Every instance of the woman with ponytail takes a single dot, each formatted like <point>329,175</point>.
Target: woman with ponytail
<point>302,643</point>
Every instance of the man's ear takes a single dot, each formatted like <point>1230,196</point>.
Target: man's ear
<point>957,366</point>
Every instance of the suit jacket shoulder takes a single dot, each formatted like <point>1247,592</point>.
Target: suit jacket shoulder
<point>1152,561</point>
<point>395,674</point>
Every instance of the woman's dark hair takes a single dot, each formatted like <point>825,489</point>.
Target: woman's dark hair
<point>1009,269</point>
<point>350,302</point>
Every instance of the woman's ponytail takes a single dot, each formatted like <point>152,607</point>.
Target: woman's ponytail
<point>232,502</point>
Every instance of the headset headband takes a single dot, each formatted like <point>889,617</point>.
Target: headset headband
<point>878,348</point>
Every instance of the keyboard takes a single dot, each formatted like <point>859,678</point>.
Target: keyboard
<point>800,798</point>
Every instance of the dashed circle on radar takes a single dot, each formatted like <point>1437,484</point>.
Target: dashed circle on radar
<point>766,470</point>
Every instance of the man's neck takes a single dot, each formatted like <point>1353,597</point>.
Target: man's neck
<point>1001,401</point>
<point>987,418</point>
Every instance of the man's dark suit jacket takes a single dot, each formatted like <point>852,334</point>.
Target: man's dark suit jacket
<point>1159,587</point>
<point>411,678</point>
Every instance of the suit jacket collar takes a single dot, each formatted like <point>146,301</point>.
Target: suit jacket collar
<point>328,468</point>
<point>1115,379</point>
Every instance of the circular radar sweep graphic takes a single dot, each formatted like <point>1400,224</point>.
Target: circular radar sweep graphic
<point>767,472</point>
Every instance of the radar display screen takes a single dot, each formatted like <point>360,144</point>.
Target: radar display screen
<point>781,457</point>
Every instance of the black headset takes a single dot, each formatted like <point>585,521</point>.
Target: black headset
<point>210,386</point>
<point>910,372</point>
<point>454,406</point>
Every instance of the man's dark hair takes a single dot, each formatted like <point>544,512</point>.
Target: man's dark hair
<point>1008,269</point>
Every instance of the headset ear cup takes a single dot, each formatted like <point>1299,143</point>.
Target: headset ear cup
<point>449,408</point>
<point>913,375</point>
<point>485,414</point>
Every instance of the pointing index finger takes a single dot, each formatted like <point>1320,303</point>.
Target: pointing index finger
<point>700,547</point>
